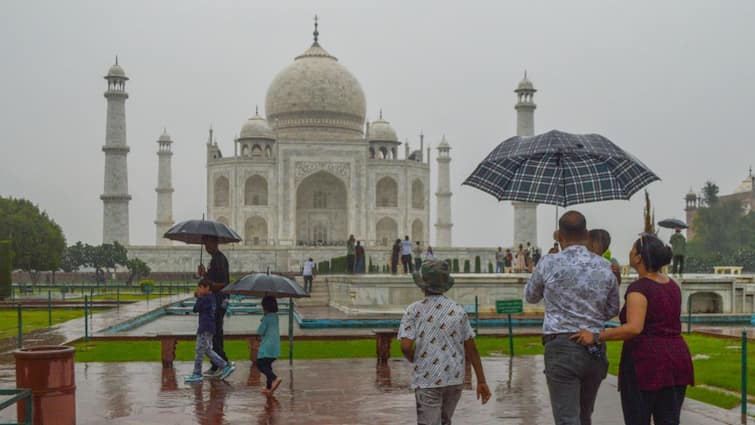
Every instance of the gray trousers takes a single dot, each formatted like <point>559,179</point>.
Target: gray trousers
<point>435,406</point>
<point>574,376</point>
<point>204,348</point>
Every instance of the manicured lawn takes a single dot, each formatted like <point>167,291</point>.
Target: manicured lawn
<point>721,369</point>
<point>35,319</point>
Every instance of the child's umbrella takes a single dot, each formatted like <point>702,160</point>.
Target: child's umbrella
<point>276,285</point>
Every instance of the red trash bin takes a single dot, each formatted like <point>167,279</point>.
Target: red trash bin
<point>48,370</point>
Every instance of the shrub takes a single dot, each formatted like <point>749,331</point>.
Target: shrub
<point>455,267</point>
<point>467,267</point>
<point>6,261</point>
<point>147,286</point>
<point>477,264</point>
<point>490,267</point>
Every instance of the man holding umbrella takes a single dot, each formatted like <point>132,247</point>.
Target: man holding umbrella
<point>218,276</point>
<point>678,248</point>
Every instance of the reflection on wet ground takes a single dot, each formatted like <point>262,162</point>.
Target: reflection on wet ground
<point>350,391</point>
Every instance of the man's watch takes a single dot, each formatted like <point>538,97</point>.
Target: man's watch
<point>596,338</point>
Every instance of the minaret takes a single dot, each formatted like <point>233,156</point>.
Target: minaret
<point>525,213</point>
<point>115,198</point>
<point>164,216</point>
<point>443,195</point>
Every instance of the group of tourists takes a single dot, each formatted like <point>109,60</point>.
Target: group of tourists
<point>409,254</point>
<point>580,289</point>
<point>524,260</point>
<point>211,305</point>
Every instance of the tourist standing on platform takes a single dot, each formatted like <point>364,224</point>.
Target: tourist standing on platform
<point>580,293</point>
<point>508,261</point>
<point>499,256</point>
<point>350,254</point>
<point>520,261</point>
<point>270,347</point>
<point>308,273</point>
<point>417,251</point>
<point>656,366</point>
<point>429,255</point>
<point>679,248</point>
<point>359,255</point>
<point>406,255</point>
<point>205,306</point>
<point>395,254</point>
<point>436,336</point>
<point>219,277</point>
<point>554,249</point>
<point>528,258</point>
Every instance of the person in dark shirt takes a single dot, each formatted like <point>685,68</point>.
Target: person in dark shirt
<point>218,276</point>
<point>205,306</point>
<point>359,262</point>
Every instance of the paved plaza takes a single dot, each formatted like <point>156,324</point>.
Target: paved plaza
<point>350,391</point>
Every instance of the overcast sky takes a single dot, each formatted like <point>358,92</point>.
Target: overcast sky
<point>672,82</point>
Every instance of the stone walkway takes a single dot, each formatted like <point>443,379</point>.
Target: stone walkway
<point>351,391</point>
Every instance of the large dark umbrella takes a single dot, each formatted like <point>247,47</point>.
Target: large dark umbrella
<point>561,169</point>
<point>672,223</point>
<point>192,232</point>
<point>263,284</point>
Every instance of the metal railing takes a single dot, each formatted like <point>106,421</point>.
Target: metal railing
<point>18,394</point>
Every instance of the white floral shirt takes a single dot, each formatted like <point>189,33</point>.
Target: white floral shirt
<point>579,289</point>
<point>438,326</point>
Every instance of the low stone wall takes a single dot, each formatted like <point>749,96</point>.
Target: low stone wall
<point>243,259</point>
<point>386,293</point>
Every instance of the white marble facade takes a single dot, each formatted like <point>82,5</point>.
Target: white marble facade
<point>313,172</point>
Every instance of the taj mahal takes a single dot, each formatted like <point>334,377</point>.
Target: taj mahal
<point>304,175</point>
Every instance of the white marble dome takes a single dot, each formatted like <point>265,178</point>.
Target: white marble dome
<point>116,71</point>
<point>382,131</point>
<point>165,137</point>
<point>316,98</point>
<point>525,84</point>
<point>256,127</point>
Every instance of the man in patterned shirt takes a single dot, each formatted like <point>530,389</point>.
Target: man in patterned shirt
<point>436,336</point>
<point>580,292</point>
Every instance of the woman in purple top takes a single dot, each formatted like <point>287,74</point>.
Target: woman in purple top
<point>656,366</point>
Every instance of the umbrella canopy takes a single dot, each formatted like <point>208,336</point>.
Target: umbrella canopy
<point>262,284</point>
<point>192,231</point>
<point>673,223</point>
<point>560,168</point>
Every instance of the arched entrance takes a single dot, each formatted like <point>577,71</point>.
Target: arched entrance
<point>321,213</point>
<point>706,302</point>
<point>255,231</point>
<point>418,231</point>
<point>386,230</point>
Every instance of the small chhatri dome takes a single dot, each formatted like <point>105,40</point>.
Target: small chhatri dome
<point>256,128</point>
<point>165,137</point>
<point>746,185</point>
<point>316,98</point>
<point>116,71</point>
<point>525,84</point>
<point>691,194</point>
<point>382,131</point>
<point>444,143</point>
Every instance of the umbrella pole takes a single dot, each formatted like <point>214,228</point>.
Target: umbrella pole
<point>290,331</point>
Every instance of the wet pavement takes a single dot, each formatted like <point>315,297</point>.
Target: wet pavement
<point>350,391</point>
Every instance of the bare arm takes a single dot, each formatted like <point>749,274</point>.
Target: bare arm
<point>407,348</point>
<point>637,307</point>
<point>473,356</point>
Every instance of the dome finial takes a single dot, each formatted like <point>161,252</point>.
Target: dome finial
<point>116,59</point>
<point>256,110</point>
<point>316,33</point>
<point>525,73</point>
<point>381,114</point>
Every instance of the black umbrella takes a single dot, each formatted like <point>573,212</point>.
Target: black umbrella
<point>192,231</point>
<point>263,284</point>
<point>672,223</point>
<point>561,169</point>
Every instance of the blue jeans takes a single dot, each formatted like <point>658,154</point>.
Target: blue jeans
<point>204,348</point>
<point>499,267</point>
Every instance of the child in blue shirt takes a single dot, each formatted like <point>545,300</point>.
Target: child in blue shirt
<point>205,306</point>
<point>270,346</point>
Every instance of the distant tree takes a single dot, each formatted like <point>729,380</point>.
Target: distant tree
<point>37,240</point>
<point>710,193</point>
<point>138,269</point>
<point>75,257</point>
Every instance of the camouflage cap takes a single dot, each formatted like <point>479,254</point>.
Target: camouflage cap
<point>434,276</point>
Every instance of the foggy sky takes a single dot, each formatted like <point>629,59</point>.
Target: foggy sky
<point>672,82</point>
